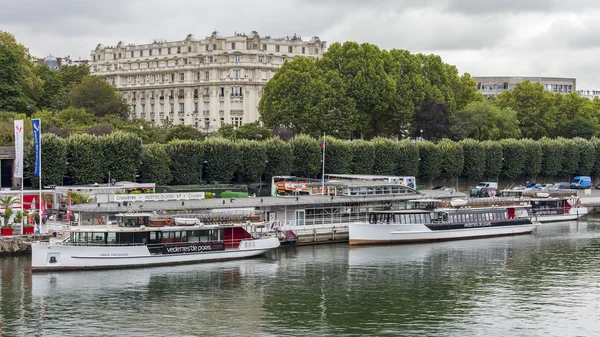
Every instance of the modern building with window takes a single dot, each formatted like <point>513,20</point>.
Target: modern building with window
<point>492,86</point>
<point>205,83</point>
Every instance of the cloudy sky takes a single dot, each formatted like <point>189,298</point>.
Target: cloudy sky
<point>503,37</point>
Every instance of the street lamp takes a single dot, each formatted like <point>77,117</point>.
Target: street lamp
<point>421,134</point>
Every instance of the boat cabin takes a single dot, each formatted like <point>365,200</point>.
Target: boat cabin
<point>447,215</point>
<point>132,229</point>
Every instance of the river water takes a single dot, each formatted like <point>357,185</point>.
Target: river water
<point>544,284</point>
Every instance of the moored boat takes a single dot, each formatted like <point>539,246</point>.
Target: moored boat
<point>132,243</point>
<point>417,225</point>
<point>549,206</point>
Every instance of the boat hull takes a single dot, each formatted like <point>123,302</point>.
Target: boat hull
<point>60,256</point>
<point>364,233</point>
<point>573,214</point>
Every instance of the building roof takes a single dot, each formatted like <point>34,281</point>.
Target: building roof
<point>236,203</point>
<point>51,62</point>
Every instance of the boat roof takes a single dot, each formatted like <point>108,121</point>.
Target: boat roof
<point>358,183</point>
<point>132,229</point>
<point>257,202</point>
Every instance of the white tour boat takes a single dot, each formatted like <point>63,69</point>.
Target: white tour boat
<point>548,207</point>
<point>415,225</point>
<point>133,243</point>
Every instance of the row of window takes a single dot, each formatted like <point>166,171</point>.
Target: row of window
<point>234,109</point>
<point>233,91</point>
<point>178,50</point>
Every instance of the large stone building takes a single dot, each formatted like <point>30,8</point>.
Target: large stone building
<point>205,83</point>
<point>591,94</point>
<point>492,86</point>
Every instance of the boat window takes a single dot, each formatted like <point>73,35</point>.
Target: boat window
<point>154,237</point>
<point>97,238</point>
<point>111,238</point>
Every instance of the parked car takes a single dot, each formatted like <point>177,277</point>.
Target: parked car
<point>444,188</point>
<point>561,186</point>
<point>597,187</point>
<point>487,192</point>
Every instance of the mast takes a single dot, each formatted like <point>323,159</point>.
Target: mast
<point>323,173</point>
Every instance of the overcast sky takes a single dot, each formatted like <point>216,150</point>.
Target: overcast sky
<point>502,37</point>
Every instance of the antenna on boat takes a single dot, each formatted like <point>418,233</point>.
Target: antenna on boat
<point>323,173</point>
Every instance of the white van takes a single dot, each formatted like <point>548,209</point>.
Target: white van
<point>483,184</point>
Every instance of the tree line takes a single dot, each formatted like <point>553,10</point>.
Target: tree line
<point>86,159</point>
<point>359,91</point>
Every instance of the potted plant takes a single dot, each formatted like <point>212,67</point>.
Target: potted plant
<point>6,226</point>
<point>27,228</point>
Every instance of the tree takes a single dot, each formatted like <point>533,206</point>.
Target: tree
<point>493,159</point>
<point>54,160</point>
<point>122,155</point>
<point>186,160</point>
<point>307,100</point>
<point>306,156</point>
<point>430,159</point>
<point>569,157</point>
<point>337,156</point>
<point>280,157</point>
<point>362,156</point>
<point>514,158</point>
<point>253,159</point>
<point>222,158</point>
<point>582,127</point>
<point>407,158</point>
<point>385,159</point>
<point>452,158</point>
<point>433,119</point>
<point>20,88</point>
<point>154,167</point>
<point>551,157</point>
<point>533,154</point>
<point>183,132</point>
<point>474,154</point>
<point>484,121</point>
<point>85,155</point>
<point>98,97</point>
<point>7,134</point>
<point>534,107</point>
<point>253,131</point>
<point>587,156</point>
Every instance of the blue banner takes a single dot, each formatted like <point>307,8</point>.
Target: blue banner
<point>37,145</point>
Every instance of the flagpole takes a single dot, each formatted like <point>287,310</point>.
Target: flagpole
<point>323,173</point>
<point>40,179</point>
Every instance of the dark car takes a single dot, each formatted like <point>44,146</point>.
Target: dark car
<point>597,187</point>
<point>487,192</point>
<point>444,188</point>
<point>561,186</point>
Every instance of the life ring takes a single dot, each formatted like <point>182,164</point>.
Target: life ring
<point>169,221</point>
<point>445,204</point>
<point>100,220</point>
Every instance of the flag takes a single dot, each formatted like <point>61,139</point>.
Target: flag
<point>18,149</point>
<point>36,125</point>
<point>323,144</point>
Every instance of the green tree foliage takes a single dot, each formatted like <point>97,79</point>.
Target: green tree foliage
<point>551,157</point>
<point>222,158</point>
<point>253,131</point>
<point>307,156</point>
<point>596,144</point>
<point>186,160</point>
<point>430,160</point>
<point>407,158</point>
<point>534,107</point>
<point>514,158</point>
<point>493,159</point>
<point>85,157</point>
<point>386,153</point>
<point>484,121</point>
<point>183,132</point>
<point>433,119</point>
<point>362,156</point>
<point>154,167</point>
<point>54,160</point>
<point>253,160</point>
<point>337,156</point>
<point>452,158</point>
<point>122,153</point>
<point>98,97</point>
<point>582,127</point>
<point>586,156</point>
<point>307,100</point>
<point>280,157</point>
<point>475,155</point>
<point>20,88</point>
<point>533,158</point>
<point>569,156</point>
<point>7,134</point>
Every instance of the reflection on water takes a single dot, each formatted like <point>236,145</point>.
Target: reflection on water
<point>543,284</point>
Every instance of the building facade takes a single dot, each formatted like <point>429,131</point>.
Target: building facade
<point>492,86</point>
<point>205,83</point>
<point>591,94</point>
